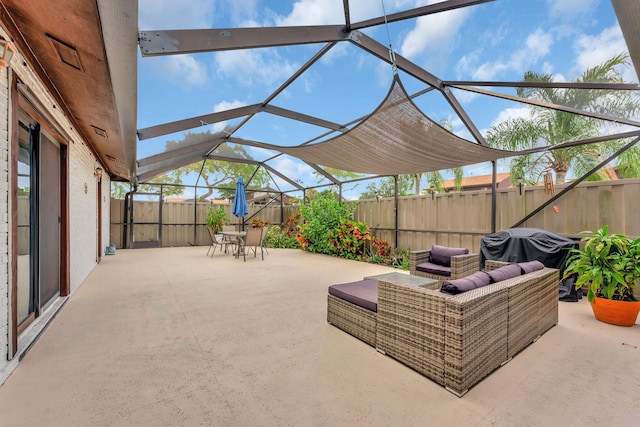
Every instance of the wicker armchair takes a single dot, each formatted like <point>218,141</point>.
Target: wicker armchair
<point>461,265</point>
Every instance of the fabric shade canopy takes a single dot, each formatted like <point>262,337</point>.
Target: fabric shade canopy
<point>397,138</point>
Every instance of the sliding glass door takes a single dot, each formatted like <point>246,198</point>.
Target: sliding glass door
<point>39,218</point>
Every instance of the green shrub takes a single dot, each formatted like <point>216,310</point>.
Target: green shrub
<point>321,216</point>
<point>377,259</point>
<point>276,238</point>
<point>216,218</point>
<point>400,258</point>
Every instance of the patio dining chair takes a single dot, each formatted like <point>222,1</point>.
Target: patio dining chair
<point>217,240</point>
<point>265,230</point>
<point>252,241</point>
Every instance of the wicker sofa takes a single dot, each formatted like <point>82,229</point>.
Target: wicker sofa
<point>457,340</point>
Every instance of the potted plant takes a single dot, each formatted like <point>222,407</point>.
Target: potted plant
<point>216,218</point>
<point>609,266</point>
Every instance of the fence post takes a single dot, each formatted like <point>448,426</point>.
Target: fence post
<point>395,212</point>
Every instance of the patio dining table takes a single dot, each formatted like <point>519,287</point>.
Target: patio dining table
<point>239,235</point>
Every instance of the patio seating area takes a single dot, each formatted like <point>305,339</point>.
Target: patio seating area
<point>172,337</point>
<point>455,340</point>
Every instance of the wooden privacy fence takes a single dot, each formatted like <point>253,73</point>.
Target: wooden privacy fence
<point>179,223</point>
<point>461,219</point>
<point>458,219</point>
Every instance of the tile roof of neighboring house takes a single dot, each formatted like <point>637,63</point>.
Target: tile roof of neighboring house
<point>185,200</point>
<point>473,182</point>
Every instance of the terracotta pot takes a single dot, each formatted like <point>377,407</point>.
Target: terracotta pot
<point>621,313</point>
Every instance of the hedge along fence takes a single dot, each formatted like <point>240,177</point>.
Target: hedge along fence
<point>461,219</point>
<point>458,219</point>
<point>179,220</point>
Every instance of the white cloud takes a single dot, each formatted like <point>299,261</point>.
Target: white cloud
<point>259,153</point>
<point>537,46</point>
<point>433,31</point>
<point>254,67</point>
<point>183,70</point>
<point>466,97</point>
<point>339,50</point>
<point>539,43</point>
<point>175,14</point>
<point>313,12</point>
<point>594,50</point>
<point>568,10</point>
<point>512,113</point>
<point>228,105</point>
<point>291,168</point>
<point>243,11</point>
<point>224,106</point>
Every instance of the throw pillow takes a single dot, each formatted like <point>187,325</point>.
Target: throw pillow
<point>528,267</point>
<point>504,273</point>
<point>442,254</point>
<point>473,281</point>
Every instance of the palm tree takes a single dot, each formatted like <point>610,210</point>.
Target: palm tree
<point>551,127</point>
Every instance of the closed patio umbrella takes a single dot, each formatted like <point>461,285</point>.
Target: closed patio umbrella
<point>240,208</point>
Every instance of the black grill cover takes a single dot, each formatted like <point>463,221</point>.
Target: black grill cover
<point>527,244</point>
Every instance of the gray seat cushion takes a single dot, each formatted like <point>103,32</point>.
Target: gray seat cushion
<point>430,267</point>
<point>472,281</point>
<point>442,254</point>
<point>363,293</point>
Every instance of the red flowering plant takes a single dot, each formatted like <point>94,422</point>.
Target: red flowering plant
<point>302,240</point>
<point>382,247</point>
<point>258,223</point>
<point>349,239</point>
<point>291,226</point>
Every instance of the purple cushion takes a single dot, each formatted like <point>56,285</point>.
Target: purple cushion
<point>528,267</point>
<point>442,254</point>
<point>429,267</point>
<point>504,273</point>
<point>473,281</point>
<point>363,293</point>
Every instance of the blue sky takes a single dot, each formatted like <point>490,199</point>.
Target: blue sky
<point>499,40</point>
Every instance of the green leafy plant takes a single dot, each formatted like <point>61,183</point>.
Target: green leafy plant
<point>216,218</point>
<point>322,215</point>
<point>277,237</point>
<point>377,259</point>
<point>609,265</point>
<point>349,239</point>
<point>400,258</point>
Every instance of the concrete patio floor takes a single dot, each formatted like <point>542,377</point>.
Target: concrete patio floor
<point>172,337</point>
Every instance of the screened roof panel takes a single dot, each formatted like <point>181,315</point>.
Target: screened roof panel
<point>309,89</point>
